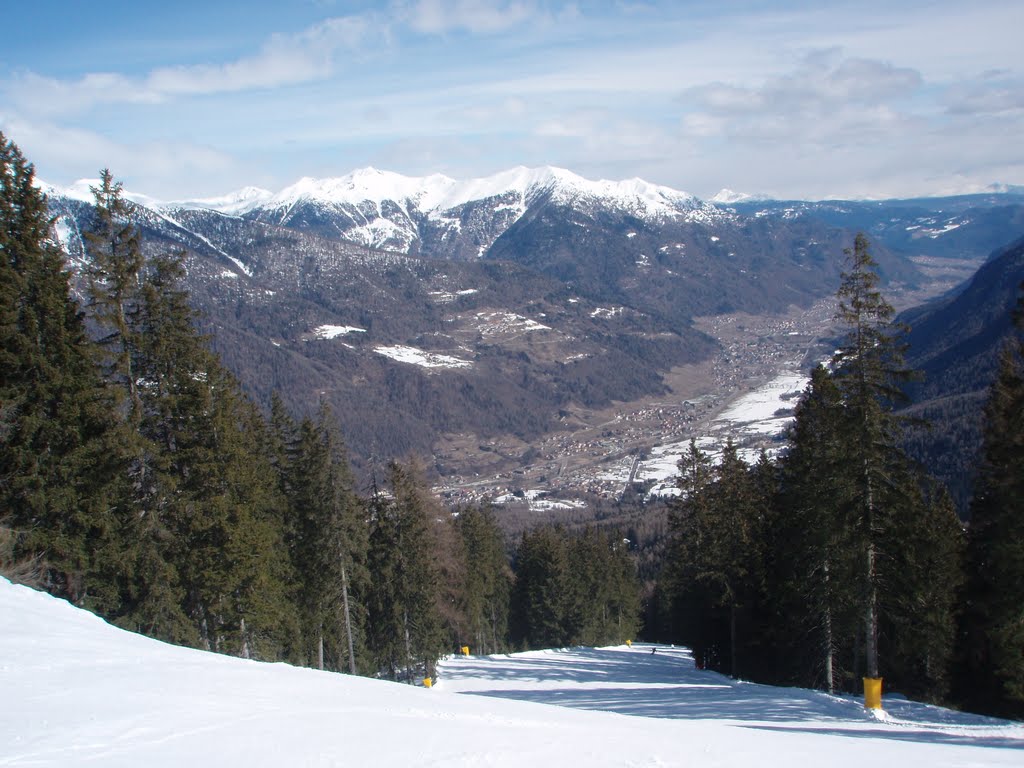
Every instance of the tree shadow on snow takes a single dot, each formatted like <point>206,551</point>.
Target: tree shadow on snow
<point>666,684</point>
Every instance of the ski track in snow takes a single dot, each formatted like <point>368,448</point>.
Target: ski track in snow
<point>78,692</point>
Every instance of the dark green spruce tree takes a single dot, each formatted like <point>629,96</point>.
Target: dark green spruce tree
<point>718,530</point>
<point>894,522</point>
<point>602,591</point>
<point>406,603</point>
<point>487,582</point>
<point>540,597</point>
<point>140,588</point>
<point>868,369</point>
<point>814,568</point>
<point>55,437</point>
<point>687,602</point>
<point>198,553</point>
<point>328,542</point>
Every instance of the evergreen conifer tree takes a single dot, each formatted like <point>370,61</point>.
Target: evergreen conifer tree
<point>329,543</point>
<point>815,569</point>
<point>488,580</point>
<point>541,592</point>
<point>114,248</point>
<point>859,511</point>
<point>55,437</point>
<point>868,368</point>
<point>718,528</point>
<point>406,596</point>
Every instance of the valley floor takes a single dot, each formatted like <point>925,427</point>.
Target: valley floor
<point>634,447</point>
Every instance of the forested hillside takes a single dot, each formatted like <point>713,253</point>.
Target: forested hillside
<point>955,342</point>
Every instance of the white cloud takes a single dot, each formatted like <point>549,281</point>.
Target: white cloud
<point>986,96</point>
<point>476,16</point>
<point>282,60</point>
<point>823,82</point>
<point>145,166</point>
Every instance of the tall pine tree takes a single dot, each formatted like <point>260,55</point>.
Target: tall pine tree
<point>405,599</point>
<point>56,447</point>
<point>328,542</point>
<point>815,570</point>
<point>868,369</point>
<point>487,582</point>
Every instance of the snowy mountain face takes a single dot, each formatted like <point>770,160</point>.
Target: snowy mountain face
<point>235,203</point>
<point>440,217</point>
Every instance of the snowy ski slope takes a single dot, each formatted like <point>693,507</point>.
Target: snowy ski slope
<point>75,691</point>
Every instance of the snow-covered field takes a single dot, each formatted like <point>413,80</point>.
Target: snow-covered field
<point>334,331</point>
<point>758,411</point>
<point>77,692</point>
<point>414,356</point>
<point>765,411</point>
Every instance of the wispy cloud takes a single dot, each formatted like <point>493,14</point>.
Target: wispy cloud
<point>314,54</point>
<point>477,16</point>
<point>993,93</point>
<point>144,166</point>
<point>824,81</point>
<point>282,60</point>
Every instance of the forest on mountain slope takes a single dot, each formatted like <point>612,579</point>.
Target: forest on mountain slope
<point>137,480</point>
<point>955,342</point>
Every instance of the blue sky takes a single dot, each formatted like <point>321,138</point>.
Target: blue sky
<point>789,99</point>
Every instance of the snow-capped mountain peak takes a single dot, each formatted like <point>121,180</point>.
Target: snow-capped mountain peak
<point>727,196</point>
<point>235,203</point>
<point>80,190</point>
<point>437,193</point>
<point>365,184</point>
<point>389,210</point>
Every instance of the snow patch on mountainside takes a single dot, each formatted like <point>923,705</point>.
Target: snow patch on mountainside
<point>413,356</point>
<point>334,331</point>
<point>66,232</point>
<point>497,323</point>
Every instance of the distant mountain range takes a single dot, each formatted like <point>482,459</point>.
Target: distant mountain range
<point>423,307</point>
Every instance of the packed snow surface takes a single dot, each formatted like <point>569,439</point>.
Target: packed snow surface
<point>78,692</point>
